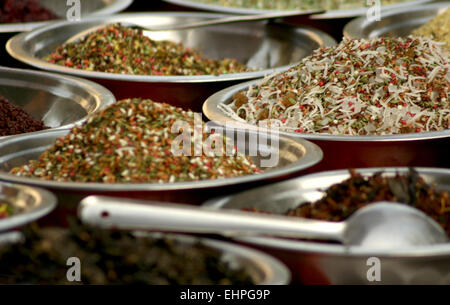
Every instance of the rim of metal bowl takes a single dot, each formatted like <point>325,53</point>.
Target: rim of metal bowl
<point>332,14</point>
<point>104,96</point>
<point>354,29</point>
<point>214,113</point>
<point>14,47</point>
<point>313,155</point>
<point>117,6</point>
<point>334,249</point>
<point>47,202</point>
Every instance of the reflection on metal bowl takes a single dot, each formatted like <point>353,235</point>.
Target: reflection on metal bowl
<point>322,263</point>
<point>267,47</point>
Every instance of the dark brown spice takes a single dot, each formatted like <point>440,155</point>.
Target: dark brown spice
<point>14,11</point>
<point>14,120</point>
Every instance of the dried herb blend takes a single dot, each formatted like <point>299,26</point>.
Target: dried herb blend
<point>113,258</point>
<point>14,120</point>
<point>360,87</point>
<point>118,49</point>
<point>437,28</point>
<point>14,11</point>
<point>131,141</point>
<point>296,5</point>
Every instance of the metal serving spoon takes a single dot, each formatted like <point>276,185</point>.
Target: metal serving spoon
<point>199,24</point>
<point>378,225</point>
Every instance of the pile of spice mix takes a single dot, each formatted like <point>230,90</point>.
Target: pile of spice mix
<point>14,120</point>
<point>131,142</point>
<point>296,4</point>
<point>380,86</point>
<point>5,210</point>
<point>123,50</point>
<point>14,11</point>
<point>114,257</point>
<point>437,28</point>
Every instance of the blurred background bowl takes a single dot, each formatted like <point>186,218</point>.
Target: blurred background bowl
<point>326,263</point>
<point>267,46</point>
<point>59,101</point>
<point>415,149</point>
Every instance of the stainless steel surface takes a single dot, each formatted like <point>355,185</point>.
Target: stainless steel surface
<point>414,149</point>
<point>259,45</point>
<point>225,20</point>
<point>332,14</point>
<point>377,226</point>
<point>60,8</point>
<point>313,262</point>
<point>28,203</point>
<point>59,101</point>
<point>394,23</point>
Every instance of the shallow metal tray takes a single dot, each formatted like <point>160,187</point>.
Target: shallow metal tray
<point>314,263</point>
<point>88,8</point>
<point>295,156</point>
<point>417,149</point>
<point>269,47</point>
<point>28,203</point>
<point>396,23</point>
<point>59,101</point>
<point>333,14</point>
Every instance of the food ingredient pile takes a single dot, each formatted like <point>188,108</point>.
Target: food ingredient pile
<point>380,86</point>
<point>17,11</point>
<point>118,49</point>
<point>437,28</point>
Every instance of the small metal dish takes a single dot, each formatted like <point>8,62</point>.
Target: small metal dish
<point>28,204</point>
<point>60,8</point>
<point>396,23</point>
<point>417,149</point>
<point>294,157</point>
<point>59,101</point>
<point>314,262</point>
<point>332,14</point>
<point>267,46</point>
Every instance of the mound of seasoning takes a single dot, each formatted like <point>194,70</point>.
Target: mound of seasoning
<point>360,87</point>
<point>118,49</point>
<point>131,141</point>
<point>296,5</point>
<point>16,11</point>
<point>437,28</point>
<point>113,257</point>
<point>14,120</point>
<point>5,210</point>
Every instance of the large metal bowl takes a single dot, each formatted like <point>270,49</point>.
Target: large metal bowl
<point>60,8</point>
<point>295,156</point>
<point>332,14</point>
<point>59,101</point>
<point>269,47</point>
<point>396,23</point>
<point>322,263</point>
<point>417,149</point>
<point>28,203</point>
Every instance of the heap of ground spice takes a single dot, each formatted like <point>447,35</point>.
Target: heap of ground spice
<point>118,49</point>
<point>14,120</point>
<point>360,87</point>
<point>437,28</point>
<point>113,257</point>
<point>296,5</point>
<point>5,210</point>
<point>131,141</point>
<point>16,11</point>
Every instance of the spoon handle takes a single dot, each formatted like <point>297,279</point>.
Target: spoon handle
<point>232,19</point>
<point>108,212</point>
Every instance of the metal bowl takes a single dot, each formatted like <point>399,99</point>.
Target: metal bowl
<point>417,149</point>
<point>60,8</point>
<point>396,23</point>
<point>322,263</point>
<point>28,203</point>
<point>295,156</point>
<point>332,14</point>
<point>269,47</point>
<point>59,101</point>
